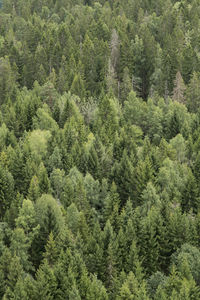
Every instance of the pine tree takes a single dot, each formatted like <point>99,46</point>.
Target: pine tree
<point>7,190</point>
<point>20,245</point>
<point>50,219</point>
<point>34,190</point>
<point>112,202</point>
<point>143,174</point>
<point>43,180</point>
<point>77,86</point>
<point>192,93</point>
<point>15,274</point>
<point>45,284</point>
<point>7,80</point>
<point>190,196</point>
<point>96,290</point>
<point>123,174</point>
<point>51,250</point>
<point>179,89</point>
<point>126,85</point>
<point>131,289</point>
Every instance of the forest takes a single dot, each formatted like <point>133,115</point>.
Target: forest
<point>100,150</point>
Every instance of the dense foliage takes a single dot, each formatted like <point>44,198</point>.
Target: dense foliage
<point>100,149</point>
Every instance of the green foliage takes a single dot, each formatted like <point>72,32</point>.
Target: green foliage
<point>37,142</point>
<point>7,79</point>
<point>45,284</point>
<point>99,167</point>
<point>157,280</point>
<point>132,289</point>
<point>27,219</point>
<point>96,290</point>
<point>6,190</point>
<point>190,254</point>
<point>50,219</point>
<point>192,93</point>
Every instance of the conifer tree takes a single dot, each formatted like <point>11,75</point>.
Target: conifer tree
<point>179,89</point>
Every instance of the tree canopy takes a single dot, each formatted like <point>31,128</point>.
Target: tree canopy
<point>99,149</point>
